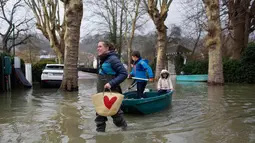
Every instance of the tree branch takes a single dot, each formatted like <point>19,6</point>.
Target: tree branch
<point>169,3</point>
<point>23,41</point>
<point>15,6</point>
<point>146,5</point>
<point>2,5</point>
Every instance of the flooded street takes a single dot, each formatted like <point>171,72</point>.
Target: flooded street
<point>199,114</point>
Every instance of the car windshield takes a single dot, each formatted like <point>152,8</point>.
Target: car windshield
<point>54,67</point>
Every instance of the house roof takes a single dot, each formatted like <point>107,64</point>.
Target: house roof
<point>177,49</point>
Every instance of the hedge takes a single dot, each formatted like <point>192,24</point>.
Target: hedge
<point>38,68</point>
<point>242,71</point>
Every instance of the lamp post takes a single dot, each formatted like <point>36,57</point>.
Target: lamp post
<point>13,41</point>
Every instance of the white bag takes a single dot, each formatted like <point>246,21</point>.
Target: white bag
<point>107,103</point>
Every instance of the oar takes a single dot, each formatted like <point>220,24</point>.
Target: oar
<point>140,78</point>
<point>131,86</point>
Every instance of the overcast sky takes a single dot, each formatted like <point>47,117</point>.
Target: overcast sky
<point>174,17</point>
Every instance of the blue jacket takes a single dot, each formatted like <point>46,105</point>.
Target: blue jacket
<point>140,69</point>
<point>112,66</point>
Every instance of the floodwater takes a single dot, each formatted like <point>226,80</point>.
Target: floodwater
<point>199,114</point>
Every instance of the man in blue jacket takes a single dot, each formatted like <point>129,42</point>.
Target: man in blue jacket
<point>140,69</point>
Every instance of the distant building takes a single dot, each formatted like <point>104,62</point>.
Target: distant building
<point>47,55</point>
<point>172,51</point>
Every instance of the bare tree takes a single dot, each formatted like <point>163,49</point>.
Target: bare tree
<point>16,32</point>
<point>115,17</point>
<point>47,14</point>
<point>29,52</point>
<point>159,16</point>
<point>175,34</point>
<point>108,19</point>
<point>241,16</point>
<point>73,16</point>
<point>195,21</point>
<point>134,15</point>
<point>238,22</point>
<point>213,42</point>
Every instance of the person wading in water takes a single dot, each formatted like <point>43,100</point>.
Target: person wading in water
<point>111,73</point>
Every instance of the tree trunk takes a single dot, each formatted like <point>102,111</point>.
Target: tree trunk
<point>129,52</point>
<point>4,43</point>
<point>130,42</point>
<point>73,15</point>
<point>246,30</point>
<point>158,18</point>
<point>196,42</point>
<point>239,18</point>
<point>56,44</point>
<point>161,49</point>
<point>59,54</point>
<point>238,38</point>
<point>121,35</point>
<point>126,38</point>
<point>30,56</point>
<point>115,29</point>
<point>213,43</point>
<point>61,50</point>
<point>47,16</point>
<point>60,58</point>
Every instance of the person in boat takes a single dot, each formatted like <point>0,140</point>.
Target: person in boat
<point>140,69</point>
<point>111,73</point>
<point>164,83</point>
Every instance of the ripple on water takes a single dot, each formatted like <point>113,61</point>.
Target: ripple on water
<point>197,114</point>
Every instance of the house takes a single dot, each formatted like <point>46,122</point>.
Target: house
<point>174,50</point>
<point>47,55</point>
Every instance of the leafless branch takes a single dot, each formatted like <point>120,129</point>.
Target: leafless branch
<point>20,42</point>
<point>13,33</point>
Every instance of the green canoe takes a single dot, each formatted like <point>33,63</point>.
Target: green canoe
<point>151,104</point>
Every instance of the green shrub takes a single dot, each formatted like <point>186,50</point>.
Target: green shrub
<point>249,76</point>
<point>231,70</point>
<point>249,54</point>
<point>178,62</point>
<point>242,71</point>
<point>196,67</point>
<point>247,70</point>
<point>38,68</point>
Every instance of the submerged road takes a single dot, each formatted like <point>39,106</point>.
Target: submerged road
<point>86,75</point>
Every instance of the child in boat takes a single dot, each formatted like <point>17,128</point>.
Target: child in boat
<point>164,83</point>
<point>140,70</point>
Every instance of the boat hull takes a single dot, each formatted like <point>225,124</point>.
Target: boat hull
<point>153,103</point>
<point>193,78</point>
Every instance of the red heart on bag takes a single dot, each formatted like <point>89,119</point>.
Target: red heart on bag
<point>108,103</point>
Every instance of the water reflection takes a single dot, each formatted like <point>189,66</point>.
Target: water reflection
<point>66,121</point>
<point>109,138</point>
<point>199,113</point>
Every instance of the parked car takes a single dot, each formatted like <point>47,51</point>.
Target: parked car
<point>52,75</point>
